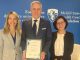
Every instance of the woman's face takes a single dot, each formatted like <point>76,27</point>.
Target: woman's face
<point>60,24</point>
<point>12,20</point>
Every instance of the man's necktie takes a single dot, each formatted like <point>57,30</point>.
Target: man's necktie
<point>34,27</point>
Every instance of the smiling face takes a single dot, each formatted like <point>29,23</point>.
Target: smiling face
<point>60,24</point>
<point>36,10</point>
<point>12,20</point>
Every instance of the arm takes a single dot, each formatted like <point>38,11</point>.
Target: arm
<point>48,37</point>
<point>69,44</point>
<point>23,37</point>
<point>72,44</point>
<point>47,42</point>
<point>23,41</point>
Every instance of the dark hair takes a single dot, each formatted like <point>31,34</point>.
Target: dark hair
<point>65,20</point>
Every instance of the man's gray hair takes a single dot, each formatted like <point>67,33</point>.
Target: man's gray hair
<point>38,2</point>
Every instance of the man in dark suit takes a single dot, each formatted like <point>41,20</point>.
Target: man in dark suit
<point>36,28</point>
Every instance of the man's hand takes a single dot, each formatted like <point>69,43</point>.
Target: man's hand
<point>43,55</point>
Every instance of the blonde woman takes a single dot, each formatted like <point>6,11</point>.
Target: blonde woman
<point>10,36</point>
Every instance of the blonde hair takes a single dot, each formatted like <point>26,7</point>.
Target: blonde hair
<point>6,26</point>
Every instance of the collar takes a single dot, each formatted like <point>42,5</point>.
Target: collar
<point>36,19</point>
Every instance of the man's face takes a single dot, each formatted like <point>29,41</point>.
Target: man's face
<point>36,10</point>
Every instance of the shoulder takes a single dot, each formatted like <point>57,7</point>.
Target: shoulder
<point>69,33</point>
<point>1,32</point>
<point>24,21</point>
<point>54,33</point>
<point>44,20</point>
<point>69,36</point>
<point>27,20</point>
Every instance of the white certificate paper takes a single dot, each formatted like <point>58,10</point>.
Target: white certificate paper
<point>33,48</point>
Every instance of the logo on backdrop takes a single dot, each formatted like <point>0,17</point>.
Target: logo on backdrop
<point>52,14</point>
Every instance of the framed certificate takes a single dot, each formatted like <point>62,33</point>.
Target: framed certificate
<point>33,49</point>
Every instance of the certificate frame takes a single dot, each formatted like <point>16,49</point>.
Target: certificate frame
<point>33,49</point>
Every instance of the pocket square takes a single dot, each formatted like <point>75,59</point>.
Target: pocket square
<point>43,28</point>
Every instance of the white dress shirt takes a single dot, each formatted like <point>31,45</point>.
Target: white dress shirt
<point>59,45</point>
<point>37,23</point>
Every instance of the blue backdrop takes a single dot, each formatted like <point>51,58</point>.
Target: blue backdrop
<point>68,8</point>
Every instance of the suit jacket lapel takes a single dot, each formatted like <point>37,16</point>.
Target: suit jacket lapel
<point>54,37</point>
<point>10,39</point>
<point>40,27</point>
<point>17,40</point>
<point>65,41</point>
<point>30,25</point>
